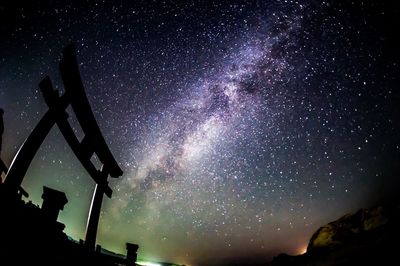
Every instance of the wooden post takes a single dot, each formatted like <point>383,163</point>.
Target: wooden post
<point>94,213</point>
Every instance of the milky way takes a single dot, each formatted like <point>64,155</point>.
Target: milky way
<point>241,128</point>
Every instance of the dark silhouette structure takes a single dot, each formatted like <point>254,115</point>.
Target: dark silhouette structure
<point>92,143</point>
<point>1,127</point>
<point>38,228</point>
<point>93,219</point>
<point>366,237</point>
<point>3,168</point>
<point>53,202</point>
<point>131,255</point>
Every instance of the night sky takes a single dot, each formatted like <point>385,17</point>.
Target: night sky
<point>241,127</point>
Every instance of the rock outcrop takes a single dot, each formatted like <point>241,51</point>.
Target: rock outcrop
<point>367,237</point>
<point>348,228</point>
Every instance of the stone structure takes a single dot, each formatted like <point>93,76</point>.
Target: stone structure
<point>53,202</point>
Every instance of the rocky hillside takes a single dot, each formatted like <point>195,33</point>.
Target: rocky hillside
<point>367,237</point>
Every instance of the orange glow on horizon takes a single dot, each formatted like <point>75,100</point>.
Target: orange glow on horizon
<point>302,250</point>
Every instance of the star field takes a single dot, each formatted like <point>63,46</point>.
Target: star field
<point>240,127</point>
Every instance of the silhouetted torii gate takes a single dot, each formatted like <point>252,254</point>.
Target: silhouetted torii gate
<point>92,143</point>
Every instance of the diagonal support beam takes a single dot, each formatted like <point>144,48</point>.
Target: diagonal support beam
<point>28,149</point>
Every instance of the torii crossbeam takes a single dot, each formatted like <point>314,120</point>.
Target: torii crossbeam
<point>92,143</point>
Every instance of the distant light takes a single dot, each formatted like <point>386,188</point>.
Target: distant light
<point>303,250</point>
<point>147,263</point>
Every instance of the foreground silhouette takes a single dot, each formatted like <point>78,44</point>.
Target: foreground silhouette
<point>3,168</point>
<point>1,127</point>
<point>32,235</point>
<point>367,237</point>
